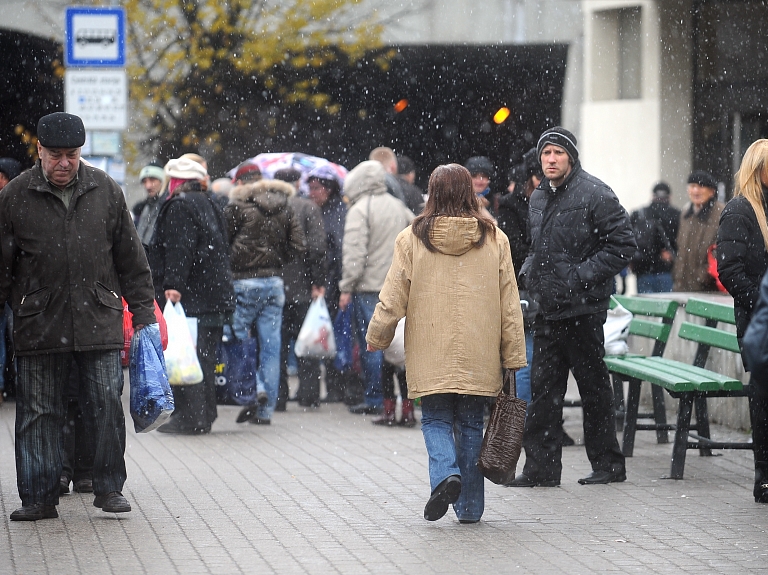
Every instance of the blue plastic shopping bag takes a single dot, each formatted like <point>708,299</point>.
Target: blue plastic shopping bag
<point>236,372</point>
<point>342,330</point>
<point>151,395</point>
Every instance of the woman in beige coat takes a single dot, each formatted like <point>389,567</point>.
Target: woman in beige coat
<point>453,281</point>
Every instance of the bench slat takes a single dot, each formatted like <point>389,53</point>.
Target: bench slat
<point>702,380</point>
<point>628,367</point>
<point>650,329</point>
<point>726,383</point>
<point>709,336</point>
<point>711,310</point>
<point>649,306</point>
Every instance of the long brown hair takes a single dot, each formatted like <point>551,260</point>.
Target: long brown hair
<point>749,183</point>
<point>451,195</point>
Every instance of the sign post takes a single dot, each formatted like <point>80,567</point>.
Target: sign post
<point>95,82</point>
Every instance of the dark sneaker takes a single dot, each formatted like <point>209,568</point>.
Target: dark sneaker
<point>35,512</point>
<point>84,486</point>
<point>112,502</point>
<point>444,494</point>
<point>602,477</point>
<point>246,413</point>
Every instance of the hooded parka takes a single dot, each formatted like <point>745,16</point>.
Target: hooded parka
<point>463,316</point>
<point>64,269</point>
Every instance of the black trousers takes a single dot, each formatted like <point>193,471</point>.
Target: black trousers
<point>388,372</point>
<point>195,405</point>
<point>575,344</point>
<point>77,434</point>
<point>308,368</point>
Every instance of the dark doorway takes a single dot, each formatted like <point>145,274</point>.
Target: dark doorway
<point>452,94</point>
<point>730,74</point>
<point>31,85</point>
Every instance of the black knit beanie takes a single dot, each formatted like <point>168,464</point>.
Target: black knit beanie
<point>559,137</point>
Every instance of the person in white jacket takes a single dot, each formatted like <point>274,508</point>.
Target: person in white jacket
<point>373,221</point>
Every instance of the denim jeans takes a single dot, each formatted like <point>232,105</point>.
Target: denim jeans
<point>259,305</point>
<point>452,425</point>
<point>523,376</point>
<point>654,283</point>
<point>40,412</point>
<point>364,304</point>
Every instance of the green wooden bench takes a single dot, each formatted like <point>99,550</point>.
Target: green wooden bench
<point>652,319</point>
<point>690,384</point>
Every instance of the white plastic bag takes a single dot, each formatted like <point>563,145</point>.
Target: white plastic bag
<point>316,337</point>
<point>180,355</point>
<point>616,330</point>
<point>395,353</point>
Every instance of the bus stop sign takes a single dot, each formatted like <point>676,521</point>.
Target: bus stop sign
<point>95,37</point>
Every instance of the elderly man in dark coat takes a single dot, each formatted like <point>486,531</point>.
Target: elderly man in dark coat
<point>69,251</point>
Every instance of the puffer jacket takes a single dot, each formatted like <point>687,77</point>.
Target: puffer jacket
<point>741,257</point>
<point>373,221</point>
<point>463,321</point>
<point>696,233</point>
<point>188,253</point>
<point>264,232</point>
<point>65,268</point>
<point>581,238</point>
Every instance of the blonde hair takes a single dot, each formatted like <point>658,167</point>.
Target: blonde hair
<point>748,181</point>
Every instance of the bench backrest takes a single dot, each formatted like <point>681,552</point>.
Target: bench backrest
<point>642,309</point>
<point>709,335</point>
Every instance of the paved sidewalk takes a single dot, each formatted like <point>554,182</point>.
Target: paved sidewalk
<point>327,492</point>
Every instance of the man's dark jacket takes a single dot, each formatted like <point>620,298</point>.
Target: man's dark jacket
<point>512,218</point>
<point>580,239</point>
<point>190,254</point>
<point>65,268</point>
<point>741,258</point>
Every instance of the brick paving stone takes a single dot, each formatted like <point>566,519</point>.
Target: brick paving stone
<point>324,491</point>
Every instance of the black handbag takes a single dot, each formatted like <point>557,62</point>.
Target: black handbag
<point>503,439</point>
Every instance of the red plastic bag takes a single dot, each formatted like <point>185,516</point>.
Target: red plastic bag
<point>712,267</point>
<point>125,353</point>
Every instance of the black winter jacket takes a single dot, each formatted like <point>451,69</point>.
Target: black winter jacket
<point>65,268</point>
<point>741,257</point>
<point>190,254</point>
<point>303,272</point>
<point>512,218</point>
<point>581,238</point>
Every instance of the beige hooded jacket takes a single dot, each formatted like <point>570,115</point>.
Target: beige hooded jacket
<point>463,317</point>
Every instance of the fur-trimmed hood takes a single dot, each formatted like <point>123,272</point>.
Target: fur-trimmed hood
<point>270,196</point>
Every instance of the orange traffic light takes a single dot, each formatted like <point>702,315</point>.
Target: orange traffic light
<point>501,115</point>
<point>401,105</point>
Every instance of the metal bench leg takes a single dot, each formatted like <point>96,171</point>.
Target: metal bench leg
<point>680,446</point>
<point>702,423</point>
<point>630,419</point>
<point>659,413</point>
<point>618,402</point>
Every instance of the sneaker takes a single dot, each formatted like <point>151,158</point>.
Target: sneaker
<point>112,502</point>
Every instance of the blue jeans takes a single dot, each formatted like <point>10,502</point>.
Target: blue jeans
<point>654,283</point>
<point>364,304</point>
<point>452,425</point>
<point>259,304</point>
<point>40,411</point>
<point>523,376</point>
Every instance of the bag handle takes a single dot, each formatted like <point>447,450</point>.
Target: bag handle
<point>510,383</point>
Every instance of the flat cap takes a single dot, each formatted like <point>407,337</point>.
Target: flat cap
<point>61,130</point>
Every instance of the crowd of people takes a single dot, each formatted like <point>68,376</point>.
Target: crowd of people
<point>486,282</point>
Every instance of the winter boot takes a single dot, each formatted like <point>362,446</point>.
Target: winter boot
<point>388,417</point>
<point>761,482</point>
<point>409,419</point>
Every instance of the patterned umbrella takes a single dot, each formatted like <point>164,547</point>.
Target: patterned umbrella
<point>306,164</point>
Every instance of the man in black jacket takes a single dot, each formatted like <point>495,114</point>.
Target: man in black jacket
<point>581,238</point>
<point>69,251</point>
